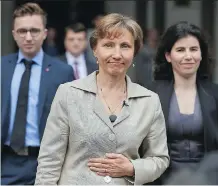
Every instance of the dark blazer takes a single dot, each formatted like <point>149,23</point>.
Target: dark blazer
<point>57,74</point>
<point>208,96</point>
<point>90,65</point>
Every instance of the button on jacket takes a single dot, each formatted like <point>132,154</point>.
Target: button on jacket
<point>78,128</point>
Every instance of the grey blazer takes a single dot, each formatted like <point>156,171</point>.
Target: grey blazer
<point>78,128</point>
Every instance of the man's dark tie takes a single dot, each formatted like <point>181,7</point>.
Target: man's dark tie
<point>76,70</point>
<point>20,120</point>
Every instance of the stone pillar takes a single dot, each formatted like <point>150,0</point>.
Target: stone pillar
<point>207,24</point>
<point>7,41</point>
<point>159,15</point>
<point>215,72</point>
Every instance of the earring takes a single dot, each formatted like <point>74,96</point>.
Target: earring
<point>96,59</point>
<point>133,65</point>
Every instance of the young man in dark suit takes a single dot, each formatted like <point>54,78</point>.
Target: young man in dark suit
<point>29,80</point>
<point>76,44</point>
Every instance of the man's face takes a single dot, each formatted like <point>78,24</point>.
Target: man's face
<point>29,33</point>
<point>75,43</point>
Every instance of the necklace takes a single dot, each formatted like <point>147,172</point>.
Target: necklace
<point>112,117</point>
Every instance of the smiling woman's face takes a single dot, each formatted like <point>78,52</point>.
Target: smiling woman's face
<point>185,56</point>
<point>115,53</point>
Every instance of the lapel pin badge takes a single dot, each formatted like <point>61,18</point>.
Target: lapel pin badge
<point>47,69</point>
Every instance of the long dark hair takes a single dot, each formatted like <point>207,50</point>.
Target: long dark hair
<point>163,69</point>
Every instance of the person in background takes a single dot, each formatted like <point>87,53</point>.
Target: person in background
<point>49,45</point>
<point>144,60</point>
<point>95,22</point>
<point>28,85</point>
<point>189,100</point>
<point>151,41</point>
<point>104,129</point>
<point>75,45</point>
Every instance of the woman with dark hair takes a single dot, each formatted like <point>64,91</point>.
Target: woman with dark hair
<point>189,100</point>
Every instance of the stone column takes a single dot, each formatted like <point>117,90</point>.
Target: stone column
<point>7,41</point>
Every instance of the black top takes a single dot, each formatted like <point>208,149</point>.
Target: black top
<point>208,99</point>
<point>185,136</point>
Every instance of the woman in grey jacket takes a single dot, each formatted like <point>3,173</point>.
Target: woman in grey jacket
<point>104,128</point>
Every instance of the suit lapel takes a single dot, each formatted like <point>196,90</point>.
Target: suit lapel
<point>89,84</point>
<point>44,83</point>
<point>6,92</point>
<point>9,74</point>
<point>99,110</point>
<point>165,91</point>
<point>124,115</point>
<point>208,105</point>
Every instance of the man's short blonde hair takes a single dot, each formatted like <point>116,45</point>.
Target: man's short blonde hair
<point>30,9</point>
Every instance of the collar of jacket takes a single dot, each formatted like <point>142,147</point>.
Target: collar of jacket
<point>89,84</point>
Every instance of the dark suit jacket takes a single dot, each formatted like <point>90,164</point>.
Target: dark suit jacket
<point>208,96</point>
<point>50,80</point>
<point>91,66</point>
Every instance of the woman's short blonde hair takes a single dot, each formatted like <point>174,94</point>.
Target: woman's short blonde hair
<point>111,24</point>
